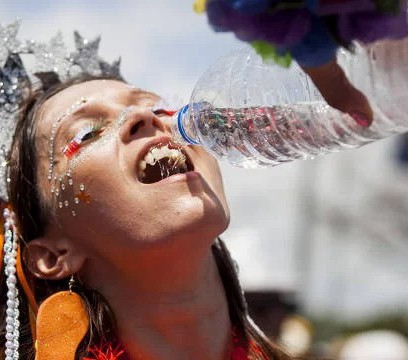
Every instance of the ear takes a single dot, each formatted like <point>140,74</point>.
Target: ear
<point>52,258</point>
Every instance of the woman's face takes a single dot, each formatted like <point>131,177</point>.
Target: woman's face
<point>93,140</point>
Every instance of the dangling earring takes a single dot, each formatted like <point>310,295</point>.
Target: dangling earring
<point>62,323</point>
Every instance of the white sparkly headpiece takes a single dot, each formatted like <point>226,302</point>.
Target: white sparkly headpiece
<point>52,62</point>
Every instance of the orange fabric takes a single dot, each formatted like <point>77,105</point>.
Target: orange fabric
<point>62,323</point>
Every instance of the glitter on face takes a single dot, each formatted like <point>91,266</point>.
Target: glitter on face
<point>110,133</point>
<point>54,128</point>
<point>59,188</point>
<point>123,115</point>
<point>75,157</point>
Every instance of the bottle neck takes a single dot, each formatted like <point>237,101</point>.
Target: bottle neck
<point>183,127</point>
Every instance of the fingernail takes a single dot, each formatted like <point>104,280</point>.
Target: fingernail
<point>360,118</point>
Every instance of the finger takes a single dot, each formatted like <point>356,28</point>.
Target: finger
<point>339,93</point>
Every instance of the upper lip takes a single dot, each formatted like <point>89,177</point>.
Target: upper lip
<point>161,141</point>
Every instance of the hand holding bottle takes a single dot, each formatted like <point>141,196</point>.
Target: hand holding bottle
<point>339,92</point>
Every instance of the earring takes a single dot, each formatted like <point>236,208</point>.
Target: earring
<point>62,323</point>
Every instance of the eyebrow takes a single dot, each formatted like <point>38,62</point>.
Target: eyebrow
<point>83,109</point>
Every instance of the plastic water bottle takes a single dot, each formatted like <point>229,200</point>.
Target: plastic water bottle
<point>256,114</point>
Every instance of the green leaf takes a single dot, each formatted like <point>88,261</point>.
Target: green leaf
<point>268,53</point>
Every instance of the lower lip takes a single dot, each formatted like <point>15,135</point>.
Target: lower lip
<point>184,177</point>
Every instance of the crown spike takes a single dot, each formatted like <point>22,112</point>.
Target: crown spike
<point>86,55</point>
<point>9,44</point>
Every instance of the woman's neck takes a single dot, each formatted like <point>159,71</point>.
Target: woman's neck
<point>186,319</point>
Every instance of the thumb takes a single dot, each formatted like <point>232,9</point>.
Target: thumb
<point>339,93</point>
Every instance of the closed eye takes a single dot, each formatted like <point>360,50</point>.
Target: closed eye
<point>87,133</point>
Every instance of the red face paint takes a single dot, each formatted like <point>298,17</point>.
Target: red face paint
<point>71,148</point>
<point>165,112</point>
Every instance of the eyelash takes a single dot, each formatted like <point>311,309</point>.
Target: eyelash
<point>89,132</point>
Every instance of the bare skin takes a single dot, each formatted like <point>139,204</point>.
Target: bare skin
<point>339,93</point>
<point>145,247</point>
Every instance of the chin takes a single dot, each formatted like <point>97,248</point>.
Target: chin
<point>207,221</point>
<point>197,218</point>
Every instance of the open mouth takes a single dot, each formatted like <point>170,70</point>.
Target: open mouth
<point>163,161</point>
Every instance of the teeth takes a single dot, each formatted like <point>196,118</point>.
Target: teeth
<point>142,165</point>
<point>155,154</point>
<point>149,158</point>
<point>175,156</point>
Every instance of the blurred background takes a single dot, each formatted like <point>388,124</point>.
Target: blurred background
<point>322,245</point>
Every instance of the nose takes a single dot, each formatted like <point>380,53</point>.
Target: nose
<point>138,122</point>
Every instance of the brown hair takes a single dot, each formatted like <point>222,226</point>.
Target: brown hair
<point>31,215</point>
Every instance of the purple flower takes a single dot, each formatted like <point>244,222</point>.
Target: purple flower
<point>286,27</point>
<point>368,27</point>
<point>317,48</point>
<point>249,7</point>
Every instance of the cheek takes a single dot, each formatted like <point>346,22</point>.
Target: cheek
<point>76,185</point>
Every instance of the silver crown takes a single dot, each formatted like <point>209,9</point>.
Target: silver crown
<point>52,61</point>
